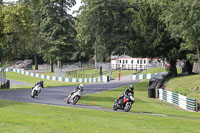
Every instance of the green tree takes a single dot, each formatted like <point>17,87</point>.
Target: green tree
<point>15,30</point>
<point>183,21</point>
<point>152,40</point>
<point>103,28</point>
<point>34,6</point>
<point>57,30</point>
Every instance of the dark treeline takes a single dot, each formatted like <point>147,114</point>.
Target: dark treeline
<point>44,29</point>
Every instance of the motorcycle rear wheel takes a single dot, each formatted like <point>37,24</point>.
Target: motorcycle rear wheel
<point>34,94</point>
<point>75,100</point>
<point>68,101</point>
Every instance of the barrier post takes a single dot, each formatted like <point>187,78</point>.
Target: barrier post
<point>197,106</point>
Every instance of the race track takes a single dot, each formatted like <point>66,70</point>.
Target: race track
<point>56,95</point>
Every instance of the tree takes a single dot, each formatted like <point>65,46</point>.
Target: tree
<point>57,30</point>
<point>183,21</point>
<point>15,30</point>
<point>152,40</point>
<point>103,28</point>
<point>34,6</point>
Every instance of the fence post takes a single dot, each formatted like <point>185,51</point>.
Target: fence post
<point>197,106</point>
<point>157,92</point>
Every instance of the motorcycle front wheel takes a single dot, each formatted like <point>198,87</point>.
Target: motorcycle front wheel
<point>127,106</point>
<point>115,106</point>
<point>75,100</point>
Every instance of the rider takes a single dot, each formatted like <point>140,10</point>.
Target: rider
<point>40,83</point>
<point>80,87</point>
<point>127,91</point>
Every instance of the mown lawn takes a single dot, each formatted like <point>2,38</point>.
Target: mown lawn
<point>157,70</point>
<point>18,117</point>
<point>33,80</point>
<point>185,85</point>
<point>142,103</point>
<point>28,117</point>
<point>89,73</point>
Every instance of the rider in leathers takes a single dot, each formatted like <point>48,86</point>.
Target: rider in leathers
<point>80,87</point>
<point>126,92</point>
<point>40,83</point>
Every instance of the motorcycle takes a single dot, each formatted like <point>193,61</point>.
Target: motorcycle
<point>35,91</point>
<point>125,103</point>
<point>73,99</point>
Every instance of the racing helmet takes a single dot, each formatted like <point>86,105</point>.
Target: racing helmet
<point>81,86</point>
<point>41,82</point>
<point>131,87</point>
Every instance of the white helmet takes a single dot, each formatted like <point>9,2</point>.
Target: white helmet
<point>81,85</point>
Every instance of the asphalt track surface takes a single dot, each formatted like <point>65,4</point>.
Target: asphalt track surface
<point>57,95</point>
<point>14,82</point>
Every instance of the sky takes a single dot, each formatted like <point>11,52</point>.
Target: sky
<point>74,8</point>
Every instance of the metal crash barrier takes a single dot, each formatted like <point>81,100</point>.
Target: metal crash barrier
<point>4,83</point>
<point>183,102</point>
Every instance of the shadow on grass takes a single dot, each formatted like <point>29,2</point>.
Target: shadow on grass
<point>94,98</point>
<point>6,103</point>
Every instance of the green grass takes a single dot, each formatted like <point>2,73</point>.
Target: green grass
<point>185,85</point>
<point>115,74</point>
<point>18,117</point>
<point>157,70</point>
<point>29,117</point>
<point>142,104</point>
<point>33,80</point>
<point>96,71</point>
<point>153,70</point>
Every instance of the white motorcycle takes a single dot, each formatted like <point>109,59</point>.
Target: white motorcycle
<point>35,91</point>
<point>73,99</point>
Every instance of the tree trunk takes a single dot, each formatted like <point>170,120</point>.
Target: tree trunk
<point>198,55</point>
<point>96,44</point>
<point>51,63</point>
<point>62,8</point>
<point>189,66</point>
<point>172,68</point>
<point>35,60</point>
<point>59,64</point>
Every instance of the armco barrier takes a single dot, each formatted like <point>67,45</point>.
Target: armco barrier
<point>179,100</point>
<point>143,76</point>
<point>74,80</point>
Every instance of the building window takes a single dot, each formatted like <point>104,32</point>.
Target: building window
<point>123,61</point>
<point>137,61</point>
<point>126,61</point>
<point>140,61</point>
<point>144,61</point>
<point>132,61</point>
<point>120,61</point>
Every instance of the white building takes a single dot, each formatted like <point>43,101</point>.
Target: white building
<point>126,62</point>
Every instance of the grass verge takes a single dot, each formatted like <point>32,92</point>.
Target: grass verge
<point>96,71</point>
<point>27,117</point>
<point>142,103</point>
<point>33,80</point>
<point>185,85</point>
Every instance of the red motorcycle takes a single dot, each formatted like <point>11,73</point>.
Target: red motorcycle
<point>125,103</point>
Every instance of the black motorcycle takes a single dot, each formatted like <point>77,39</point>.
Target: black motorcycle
<point>125,103</point>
